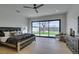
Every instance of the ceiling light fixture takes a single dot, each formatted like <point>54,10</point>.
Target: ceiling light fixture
<point>57,10</point>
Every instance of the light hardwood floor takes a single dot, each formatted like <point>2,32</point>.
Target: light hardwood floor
<point>40,46</point>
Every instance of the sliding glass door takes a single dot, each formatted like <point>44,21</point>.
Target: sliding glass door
<point>35,28</point>
<point>43,28</point>
<point>53,28</point>
<point>49,28</point>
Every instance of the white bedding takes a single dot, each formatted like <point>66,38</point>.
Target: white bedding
<point>3,39</point>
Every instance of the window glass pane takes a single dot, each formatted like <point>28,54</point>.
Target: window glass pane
<point>35,28</point>
<point>53,28</point>
<point>43,28</point>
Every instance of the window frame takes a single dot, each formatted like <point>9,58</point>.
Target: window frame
<point>48,25</point>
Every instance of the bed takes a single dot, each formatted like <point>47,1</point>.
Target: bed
<point>17,41</point>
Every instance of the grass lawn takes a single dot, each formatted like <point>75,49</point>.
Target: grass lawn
<point>45,33</point>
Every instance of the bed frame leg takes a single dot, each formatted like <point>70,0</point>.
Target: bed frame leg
<point>18,47</point>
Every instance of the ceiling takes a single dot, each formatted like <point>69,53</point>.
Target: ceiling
<point>47,9</point>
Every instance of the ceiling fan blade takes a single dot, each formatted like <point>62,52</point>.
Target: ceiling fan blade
<point>36,10</point>
<point>28,7</point>
<point>40,5</point>
<point>18,11</point>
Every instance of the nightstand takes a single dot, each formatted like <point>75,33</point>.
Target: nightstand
<point>62,38</point>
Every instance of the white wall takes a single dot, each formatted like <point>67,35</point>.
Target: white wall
<point>10,18</point>
<point>51,17</point>
<point>72,19</point>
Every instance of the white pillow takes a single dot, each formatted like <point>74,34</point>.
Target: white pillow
<point>7,34</point>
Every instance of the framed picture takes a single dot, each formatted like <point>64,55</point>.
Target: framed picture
<point>78,24</point>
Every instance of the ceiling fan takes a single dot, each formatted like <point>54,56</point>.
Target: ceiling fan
<point>35,7</point>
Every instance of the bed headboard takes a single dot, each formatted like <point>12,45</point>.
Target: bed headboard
<point>10,29</point>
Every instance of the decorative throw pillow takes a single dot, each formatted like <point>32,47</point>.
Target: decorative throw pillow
<point>12,33</point>
<point>2,34</point>
<point>7,34</point>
